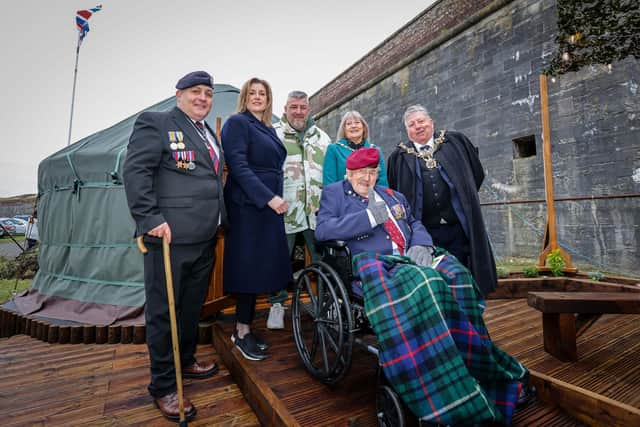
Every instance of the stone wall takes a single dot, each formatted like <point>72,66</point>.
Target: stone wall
<point>476,67</point>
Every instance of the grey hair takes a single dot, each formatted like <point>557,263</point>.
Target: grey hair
<point>353,114</point>
<point>297,94</point>
<point>416,108</point>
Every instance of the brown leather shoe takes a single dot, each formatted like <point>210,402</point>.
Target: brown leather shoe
<point>200,370</point>
<point>170,407</point>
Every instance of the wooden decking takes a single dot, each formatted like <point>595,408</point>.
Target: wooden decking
<point>54,384</point>
<point>283,394</point>
<point>102,385</point>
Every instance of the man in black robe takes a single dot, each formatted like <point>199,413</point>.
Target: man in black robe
<point>440,175</point>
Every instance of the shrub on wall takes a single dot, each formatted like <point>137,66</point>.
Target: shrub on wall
<point>595,32</point>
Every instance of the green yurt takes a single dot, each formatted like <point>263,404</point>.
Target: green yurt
<point>90,269</point>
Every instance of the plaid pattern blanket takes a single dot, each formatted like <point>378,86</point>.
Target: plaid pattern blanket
<point>434,346</point>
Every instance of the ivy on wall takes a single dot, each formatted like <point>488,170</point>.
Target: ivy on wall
<point>595,32</point>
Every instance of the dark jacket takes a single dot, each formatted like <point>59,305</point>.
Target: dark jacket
<point>190,201</point>
<point>256,257</point>
<point>458,157</point>
<point>343,216</point>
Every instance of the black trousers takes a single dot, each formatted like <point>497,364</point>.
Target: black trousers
<point>452,238</point>
<point>190,266</point>
<point>245,308</point>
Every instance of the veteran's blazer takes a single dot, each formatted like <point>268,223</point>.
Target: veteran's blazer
<point>343,216</point>
<point>169,177</point>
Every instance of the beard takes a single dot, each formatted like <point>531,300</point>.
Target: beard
<point>298,124</point>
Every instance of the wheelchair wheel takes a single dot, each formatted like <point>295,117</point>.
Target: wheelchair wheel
<point>389,408</point>
<point>322,323</point>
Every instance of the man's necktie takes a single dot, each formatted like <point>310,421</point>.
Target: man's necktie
<point>212,152</point>
<point>396,235</point>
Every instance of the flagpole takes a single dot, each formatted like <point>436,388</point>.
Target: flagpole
<point>73,93</point>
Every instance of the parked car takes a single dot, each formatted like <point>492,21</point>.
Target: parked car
<point>22,217</point>
<point>14,226</point>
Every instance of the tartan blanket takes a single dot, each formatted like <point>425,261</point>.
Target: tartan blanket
<point>434,346</point>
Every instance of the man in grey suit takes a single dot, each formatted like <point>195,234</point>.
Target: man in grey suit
<point>173,182</point>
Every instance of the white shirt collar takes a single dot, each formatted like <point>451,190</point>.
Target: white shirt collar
<point>418,146</point>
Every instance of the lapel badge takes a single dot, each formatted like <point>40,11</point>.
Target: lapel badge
<point>398,212</point>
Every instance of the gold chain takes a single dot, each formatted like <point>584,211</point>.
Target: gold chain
<point>426,155</point>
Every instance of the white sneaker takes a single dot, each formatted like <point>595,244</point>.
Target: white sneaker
<point>276,317</point>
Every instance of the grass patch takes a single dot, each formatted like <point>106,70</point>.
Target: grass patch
<point>8,285</point>
<point>19,238</point>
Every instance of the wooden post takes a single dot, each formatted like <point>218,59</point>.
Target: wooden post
<point>550,236</point>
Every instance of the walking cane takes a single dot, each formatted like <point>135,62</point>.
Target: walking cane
<point>172,318</point>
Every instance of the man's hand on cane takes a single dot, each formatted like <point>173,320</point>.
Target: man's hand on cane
<point>161,231</point>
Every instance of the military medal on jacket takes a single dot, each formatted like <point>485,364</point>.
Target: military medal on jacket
<point>185,159</point>
<point>176,140</point>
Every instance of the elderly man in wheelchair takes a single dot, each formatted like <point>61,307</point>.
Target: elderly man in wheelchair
<point>422,304</point>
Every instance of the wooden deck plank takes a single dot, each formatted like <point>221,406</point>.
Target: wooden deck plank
<point>102,385</point>
<point>607,350</point>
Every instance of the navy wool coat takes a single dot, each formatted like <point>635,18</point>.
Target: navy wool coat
<point>256,255</point>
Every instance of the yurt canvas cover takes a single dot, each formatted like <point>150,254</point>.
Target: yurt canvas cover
<point>90,269</point>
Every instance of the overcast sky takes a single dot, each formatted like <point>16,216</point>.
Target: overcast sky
<point>137,50</point>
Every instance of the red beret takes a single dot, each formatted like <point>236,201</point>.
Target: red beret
<point>363,158</point>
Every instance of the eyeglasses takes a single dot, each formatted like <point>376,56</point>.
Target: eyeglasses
<point>366,171</point>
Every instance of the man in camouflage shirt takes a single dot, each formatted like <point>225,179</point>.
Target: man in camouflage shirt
<point>306,144</point>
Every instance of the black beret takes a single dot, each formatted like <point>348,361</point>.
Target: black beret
<point>195,78</point>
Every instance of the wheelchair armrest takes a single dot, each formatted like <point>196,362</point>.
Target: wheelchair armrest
<point>334,248</point>
<point>332,244</point>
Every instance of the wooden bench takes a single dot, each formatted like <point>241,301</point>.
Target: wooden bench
<point>566,315</point>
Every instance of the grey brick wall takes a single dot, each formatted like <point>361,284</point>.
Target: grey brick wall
<point>484,81</point>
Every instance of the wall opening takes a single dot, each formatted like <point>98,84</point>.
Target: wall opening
<point>524,146</point>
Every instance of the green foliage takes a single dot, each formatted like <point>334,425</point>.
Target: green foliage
<point>595,32</point>
<point>556,262</point>
<point>596,275</point>
<point>502,272</point>
<point>530,271</point>
<point>9,286</point>
<point>7,268</point>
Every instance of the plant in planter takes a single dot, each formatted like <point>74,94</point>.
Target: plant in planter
<point>530,271</point>
<point>596,275</point>
<point>556,262</point>
<point>502,272</point>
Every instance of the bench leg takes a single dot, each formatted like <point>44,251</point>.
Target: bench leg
<point>559,331</point>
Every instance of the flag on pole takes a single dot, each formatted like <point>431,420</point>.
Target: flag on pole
<point>82,20</point>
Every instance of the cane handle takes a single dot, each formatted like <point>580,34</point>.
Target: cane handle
<point>141,247</point>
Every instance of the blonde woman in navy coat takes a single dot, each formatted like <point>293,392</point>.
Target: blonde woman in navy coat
<point>256,255</point>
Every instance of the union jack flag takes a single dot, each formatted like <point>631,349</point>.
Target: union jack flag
<point>82,20</point>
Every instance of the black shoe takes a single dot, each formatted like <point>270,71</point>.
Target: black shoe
<point>527,395</point>
<point>260,342</point>
<point>248,346</point>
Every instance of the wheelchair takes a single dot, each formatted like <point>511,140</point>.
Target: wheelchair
<point>328,318</point>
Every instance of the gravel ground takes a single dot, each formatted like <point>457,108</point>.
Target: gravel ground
<point>8,248</point>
